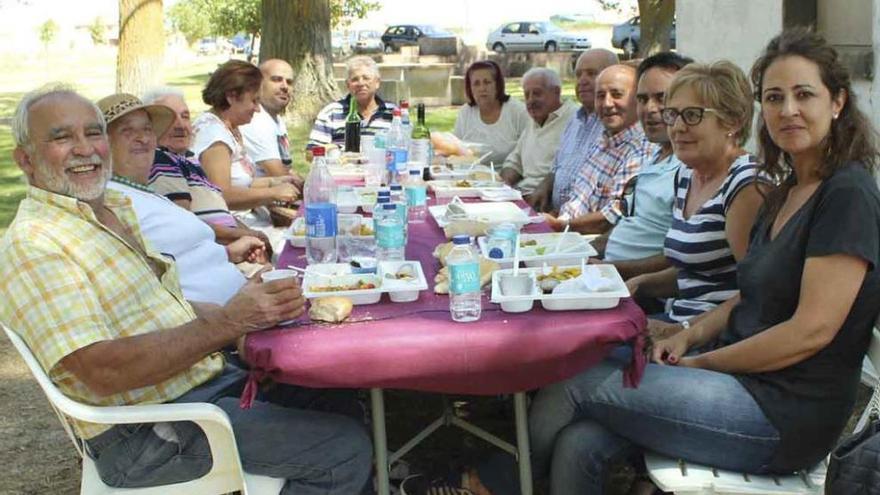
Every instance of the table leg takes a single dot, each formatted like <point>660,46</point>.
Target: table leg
<point>380,442</point>
<point>522,443</point>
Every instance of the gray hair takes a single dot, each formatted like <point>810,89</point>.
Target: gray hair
<point>159,92</point>
<point>549,76</point>
<point>365,62</point>
<point>21,118</point>
<point>609,56</point>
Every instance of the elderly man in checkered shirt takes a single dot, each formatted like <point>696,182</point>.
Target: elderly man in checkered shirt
<point>104,314</point>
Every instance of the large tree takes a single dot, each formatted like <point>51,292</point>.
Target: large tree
<point>141,45</point>
<point>656,18</point>
<point>299,32</point>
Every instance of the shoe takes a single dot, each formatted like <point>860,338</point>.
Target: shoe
<point>419,484</point>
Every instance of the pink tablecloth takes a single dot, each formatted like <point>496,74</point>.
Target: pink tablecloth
<point>417,346</point>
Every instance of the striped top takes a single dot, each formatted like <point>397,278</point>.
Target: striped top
<point>698,245</point>
<point>180,177</point>
<point>329,125</point>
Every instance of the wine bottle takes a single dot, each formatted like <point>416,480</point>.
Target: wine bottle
<point>353,128</point>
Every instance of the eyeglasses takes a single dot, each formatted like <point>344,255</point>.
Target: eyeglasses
<point>690,115</point>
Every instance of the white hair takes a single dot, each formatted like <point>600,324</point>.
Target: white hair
<point>159,92</point>
<point>21,118</point>
<point>549,76</point>
<point>365,62</point>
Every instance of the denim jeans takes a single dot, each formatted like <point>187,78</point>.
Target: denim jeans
<point>289,435</point>
<point>580,426</point>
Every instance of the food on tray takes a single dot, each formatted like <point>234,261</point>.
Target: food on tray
<point>332,309</point>
<point>527,243</point>
<point>361,284</point>
<point>550,280</point>
<point>441,280</point>
<point>463,183</point>
<point>366,230</point>
<point>405,272</point>
<point>353,158</point>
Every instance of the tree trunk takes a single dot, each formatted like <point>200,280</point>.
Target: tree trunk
<point>656,22</point>
<point>141,46</point>
<point>299,32</point>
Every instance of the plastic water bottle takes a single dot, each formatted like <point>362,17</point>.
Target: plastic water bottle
<point>398,197</point>
<point>390,242</point>
<point>320,199</point>
<point>395,148</point>
<point>416,197</point>
<point>383,197</point>
<point>464,280</point>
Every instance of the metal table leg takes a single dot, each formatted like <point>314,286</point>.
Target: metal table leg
<point>380,441</point>
<point>522,443</point>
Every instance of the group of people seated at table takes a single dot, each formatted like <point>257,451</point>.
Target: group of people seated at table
<point>757,271</point>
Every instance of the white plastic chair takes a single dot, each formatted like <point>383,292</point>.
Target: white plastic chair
<point>685,478</point>
<point>225,476</point>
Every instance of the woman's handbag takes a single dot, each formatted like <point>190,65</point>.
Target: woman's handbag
<point>854,466</point>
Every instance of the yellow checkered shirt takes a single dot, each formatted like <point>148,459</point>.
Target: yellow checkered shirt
<point>69,282</point>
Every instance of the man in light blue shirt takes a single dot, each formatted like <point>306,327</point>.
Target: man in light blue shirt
<point>581,133</point>
<point>635,245</point>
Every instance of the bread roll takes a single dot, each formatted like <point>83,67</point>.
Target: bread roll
<point>332,309</point>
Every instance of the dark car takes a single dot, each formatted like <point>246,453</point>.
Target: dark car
<point>409,34</point>
<point>628,36</point>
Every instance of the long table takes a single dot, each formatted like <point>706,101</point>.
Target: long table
<point>416,346</point>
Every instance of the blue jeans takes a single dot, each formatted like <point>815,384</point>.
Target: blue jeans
<point>580,426</point>
<point>317,452</point>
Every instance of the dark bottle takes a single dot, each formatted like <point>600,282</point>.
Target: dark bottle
<point>353,128</point>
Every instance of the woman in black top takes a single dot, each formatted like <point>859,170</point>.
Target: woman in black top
<point>776,381</point>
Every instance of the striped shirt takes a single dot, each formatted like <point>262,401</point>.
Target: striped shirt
<point>605,170</point>
<point>698,245</point>
<point>329,125</point>
<point>70,282</point>
<point>581,134</point>
<point>180,177</point>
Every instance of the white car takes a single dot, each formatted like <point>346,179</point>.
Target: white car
<point>535,37</point>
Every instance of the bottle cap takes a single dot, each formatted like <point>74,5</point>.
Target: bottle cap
<point>461,239</point>
<point>396,112</point>
<point>389,206</point>
<point>383,192</point>
<point>383,199</point>
<point>396,187</point>
<point>318,151</point>
<point>415,171</point>
<point>404,104</point>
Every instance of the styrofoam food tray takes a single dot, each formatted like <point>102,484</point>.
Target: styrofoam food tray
<point>498,212</point>
<point>296,233</point>
<point>442,172</point>
<point>366,197</point>
<point>346,172</point>
<point>448,188</point>
<point>340,275</point>
<point>347,201</point>
<point>507,194</point>
<point>573,248</point>
<point>570,301</point>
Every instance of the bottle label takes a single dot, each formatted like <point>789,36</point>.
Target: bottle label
<point>395,159</point>
<point>321,220</point>
<point>421,151</point>
<point>416,195</point>
<point>389,235</point>
<point>464,278</point>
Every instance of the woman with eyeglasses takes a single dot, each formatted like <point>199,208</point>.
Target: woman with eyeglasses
<point>765,382</point>
<point>708,115</point>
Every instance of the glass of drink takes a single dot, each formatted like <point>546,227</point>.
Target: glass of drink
<point>374,173</point>
<point>349,226</point>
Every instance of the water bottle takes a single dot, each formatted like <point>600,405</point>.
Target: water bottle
<point>398,197</point>
<point>405,122</point>
<point>464,280</point>
<point>395,148</point>
<point>416,197</point>
<point>383,197</point>
<point>390,242</point>
<point>319,196</point>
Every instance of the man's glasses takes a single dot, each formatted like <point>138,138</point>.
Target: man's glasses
<point>690,115</point>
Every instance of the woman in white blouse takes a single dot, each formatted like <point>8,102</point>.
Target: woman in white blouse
<point>490,117</point>
<point>233,94</point>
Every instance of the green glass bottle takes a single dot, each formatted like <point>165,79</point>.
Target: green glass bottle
<point>353,128</point>
<point>420,143</point>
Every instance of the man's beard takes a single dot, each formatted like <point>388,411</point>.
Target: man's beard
<point>59,183</point>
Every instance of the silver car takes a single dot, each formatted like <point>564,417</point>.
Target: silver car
<point>535,37</point>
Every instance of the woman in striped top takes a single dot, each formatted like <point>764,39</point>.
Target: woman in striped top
<point>708,113</point>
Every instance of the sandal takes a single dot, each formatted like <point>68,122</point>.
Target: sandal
<point>419,484</point>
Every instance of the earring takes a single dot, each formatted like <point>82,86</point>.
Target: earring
<point>730,134</point>
<point>834,116</point>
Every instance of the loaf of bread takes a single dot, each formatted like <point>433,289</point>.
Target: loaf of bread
<point>332,309</point>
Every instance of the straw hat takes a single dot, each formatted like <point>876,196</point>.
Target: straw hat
<point>117,105</point>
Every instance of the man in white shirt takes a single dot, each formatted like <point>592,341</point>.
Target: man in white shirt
<point>532,158</point>
<point>265,137</point>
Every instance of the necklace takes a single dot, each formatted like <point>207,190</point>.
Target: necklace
<point>130,183</point>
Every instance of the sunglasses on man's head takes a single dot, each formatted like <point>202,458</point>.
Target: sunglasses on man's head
<point>690,115</point>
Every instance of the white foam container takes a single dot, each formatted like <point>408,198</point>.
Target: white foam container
<point>442,172</point>
<point>569,301</point>
<point>296,233</point>
<point>573,248</point>
<point>347,201</point>
<point>500,212</point>
<point>448,188</point>
<point>340,274</point>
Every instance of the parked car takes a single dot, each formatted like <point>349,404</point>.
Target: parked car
<point>527,36</point>
<point>213,46</point>
<point>339,43</point>
<point>240,43</point>
<point>366,41</point>
<point>409,34</point>
<point>628,36</point>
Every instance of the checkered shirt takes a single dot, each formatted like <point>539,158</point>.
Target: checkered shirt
<point>70,282</point>
<point>605,171</point>
<point>581,134</point>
